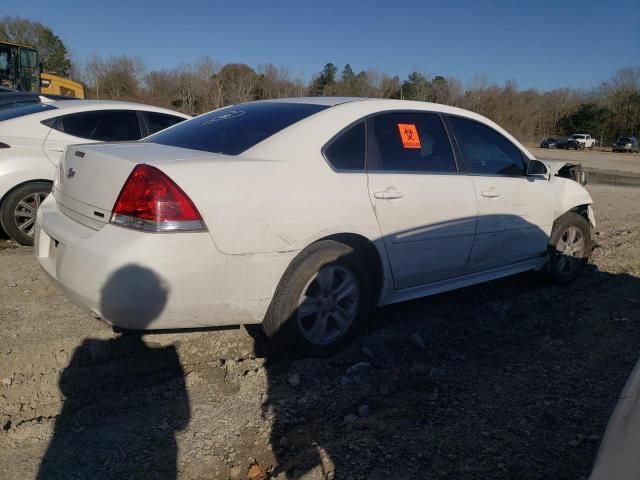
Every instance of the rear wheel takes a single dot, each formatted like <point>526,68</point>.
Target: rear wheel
<point>321,302</point>
<point>569,247</point>
<point>19,210</point>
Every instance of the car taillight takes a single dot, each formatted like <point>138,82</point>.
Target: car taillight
<point>151,201</point>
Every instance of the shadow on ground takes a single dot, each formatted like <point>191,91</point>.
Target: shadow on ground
<point>512,379</point>
<point>124,399</point>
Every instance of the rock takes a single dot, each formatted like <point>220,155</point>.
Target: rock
<point>417,341</point>
<point>366,351</point>
<point>235,472</point>
<point>99,350</point>
<point>294,379</point>
<point>437,374</point>
<point>364,410</point>
<point>62,357</point>
<point>350,418</point>
<point>357,366</point>
<point>7,381</point>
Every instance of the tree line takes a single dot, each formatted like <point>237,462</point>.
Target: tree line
<point>606,111</point>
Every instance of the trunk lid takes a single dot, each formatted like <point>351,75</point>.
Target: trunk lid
<point>90,177</point>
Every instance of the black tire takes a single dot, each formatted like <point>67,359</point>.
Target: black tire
<point>32,194</point>
<point>284,325</point>
<point>564,268</point>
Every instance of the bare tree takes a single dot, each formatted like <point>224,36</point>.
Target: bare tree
<point>238,82</point>
<point>116,78</point>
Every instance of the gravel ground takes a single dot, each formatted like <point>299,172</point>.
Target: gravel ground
<point>594,159</point>
<point>510,380</point>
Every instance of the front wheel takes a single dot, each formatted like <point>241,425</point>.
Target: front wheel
<point>569,247</point>
<point>19,211</point>
<point>321,302</point>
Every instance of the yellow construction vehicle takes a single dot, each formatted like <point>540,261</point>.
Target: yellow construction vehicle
<point>20,70</point>
<point>55,85</point>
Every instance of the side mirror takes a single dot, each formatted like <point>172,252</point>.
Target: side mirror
<point>536,167</point>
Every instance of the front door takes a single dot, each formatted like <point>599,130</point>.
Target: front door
<point>515,212</point>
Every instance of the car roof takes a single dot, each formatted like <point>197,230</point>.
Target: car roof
<point>65,107</point>
<point>345,110</point>
<point>379,104</point>
<point>68,105</point>
<point>328,101</point>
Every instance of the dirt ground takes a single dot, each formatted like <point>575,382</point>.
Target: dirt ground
<point>510,380</point>
<point>593,159</point>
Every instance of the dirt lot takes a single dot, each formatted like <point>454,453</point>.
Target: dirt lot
<point>593,159</point>
<point>514,379</point>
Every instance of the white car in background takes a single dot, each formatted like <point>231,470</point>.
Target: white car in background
<point>302,214</point>
<point>33,137</point>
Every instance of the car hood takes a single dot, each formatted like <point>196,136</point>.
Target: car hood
<point>570,170</point>
<point>553,166</point>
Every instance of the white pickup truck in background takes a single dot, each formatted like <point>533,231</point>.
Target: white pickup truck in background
<point>580,141</point>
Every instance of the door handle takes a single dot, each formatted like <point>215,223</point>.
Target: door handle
<point>490,194</point>
<point>388,194</point>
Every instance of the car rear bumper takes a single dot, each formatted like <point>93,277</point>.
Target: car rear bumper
<point>139,280</point>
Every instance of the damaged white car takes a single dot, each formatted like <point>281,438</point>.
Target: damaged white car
<point>302,214</point>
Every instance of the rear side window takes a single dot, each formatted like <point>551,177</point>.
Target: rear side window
<point>347,151</point>
<point>160,121</point>
<point>486,151</point>
<point>26,110</point>
<point>234,129</point>
<point>409,142</point>
<point>102,126</point>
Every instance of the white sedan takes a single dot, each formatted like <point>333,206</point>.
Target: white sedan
<point>302,214</point>
<point>33,137</point>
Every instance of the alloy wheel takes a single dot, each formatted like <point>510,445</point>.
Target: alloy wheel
<point>328,305</point>
<point>24,214</point>
<point>570,250</point>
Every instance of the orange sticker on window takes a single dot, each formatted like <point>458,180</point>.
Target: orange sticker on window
<point>409,135</point>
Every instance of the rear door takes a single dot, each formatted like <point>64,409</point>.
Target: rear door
<point>93,126</point>
<point>515,212</point>
<point>426,209</point>
<point>155,121</point>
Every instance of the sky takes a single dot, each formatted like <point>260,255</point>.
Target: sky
<point>540,44</point>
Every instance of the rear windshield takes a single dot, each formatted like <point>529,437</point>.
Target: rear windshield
<point>232,130</point>
<point>26,110</point>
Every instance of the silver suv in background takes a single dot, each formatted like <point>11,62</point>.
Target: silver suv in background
<point>626,144</point>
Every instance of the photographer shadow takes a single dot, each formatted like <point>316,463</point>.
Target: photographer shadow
<point>124,399</point>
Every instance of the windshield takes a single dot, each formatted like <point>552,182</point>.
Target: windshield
<point>27,110</point>
<point>577,137</point>
<point>232,130</point>
<point>28,58</point>
<point>624,140</point>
